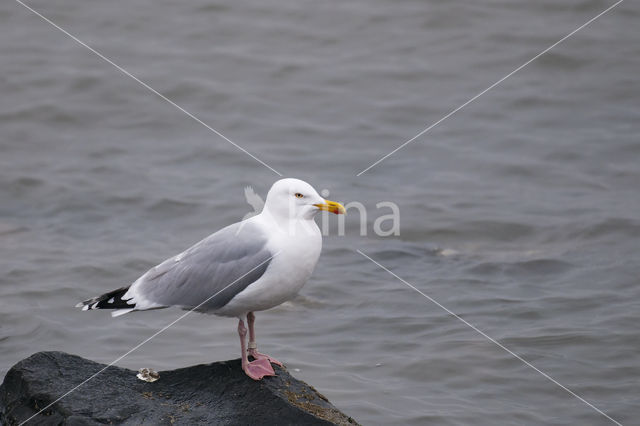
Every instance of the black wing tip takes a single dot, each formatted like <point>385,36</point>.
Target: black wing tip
<point>111,300</point>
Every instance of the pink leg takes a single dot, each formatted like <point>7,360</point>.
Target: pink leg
<point>253,347</point>
<point>255,369</point>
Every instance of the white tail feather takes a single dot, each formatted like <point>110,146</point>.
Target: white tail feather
<point>119,312</point>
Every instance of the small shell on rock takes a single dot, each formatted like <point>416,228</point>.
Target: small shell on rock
<point>148,375</point>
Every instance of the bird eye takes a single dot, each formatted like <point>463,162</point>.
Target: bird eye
<point>298,195</point>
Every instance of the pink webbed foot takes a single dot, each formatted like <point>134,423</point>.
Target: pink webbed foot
<point>258,369</point>
<point>259,356</point>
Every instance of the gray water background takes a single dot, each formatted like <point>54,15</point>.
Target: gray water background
<point>520,213</point>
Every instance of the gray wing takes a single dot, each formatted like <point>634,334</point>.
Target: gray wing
<point>235,254</point>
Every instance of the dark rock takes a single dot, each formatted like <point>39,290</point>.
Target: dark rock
<point>218,393</point>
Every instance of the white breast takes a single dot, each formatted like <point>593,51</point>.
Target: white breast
<point>296,252</point>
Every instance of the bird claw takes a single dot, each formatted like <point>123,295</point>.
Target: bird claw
<point>257,355</point>
<point>259,368</point>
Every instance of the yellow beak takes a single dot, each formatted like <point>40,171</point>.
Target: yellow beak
<point>331,206</point>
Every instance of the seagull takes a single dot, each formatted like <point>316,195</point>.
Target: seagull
<point>249,266</point>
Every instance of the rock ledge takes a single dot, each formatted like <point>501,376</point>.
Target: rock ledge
<point>218,393</point>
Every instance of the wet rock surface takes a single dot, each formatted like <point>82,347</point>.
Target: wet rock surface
<point>217,393</point>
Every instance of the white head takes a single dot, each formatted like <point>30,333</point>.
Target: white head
<point>296,199</point>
